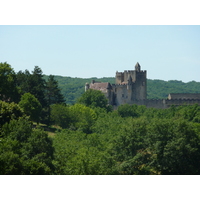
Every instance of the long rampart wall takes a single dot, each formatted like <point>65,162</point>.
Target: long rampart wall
<point>151,103</point>
<point>165,103</point>
<point>178,102</point>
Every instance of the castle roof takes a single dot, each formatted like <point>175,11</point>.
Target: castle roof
<point>183,96</point>
<point>100,86</point>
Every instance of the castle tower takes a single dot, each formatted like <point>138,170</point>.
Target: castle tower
<point>140,89</point>
<point>130,85</point>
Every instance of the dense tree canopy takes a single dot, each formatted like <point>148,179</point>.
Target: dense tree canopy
<point>24,150</point>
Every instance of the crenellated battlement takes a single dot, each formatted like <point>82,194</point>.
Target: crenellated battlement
<point>143,71</point>
<point>134,74</point>
<point>119,73</point>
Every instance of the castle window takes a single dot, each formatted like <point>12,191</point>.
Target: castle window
<point>122,95</point>
<point>143,83</point>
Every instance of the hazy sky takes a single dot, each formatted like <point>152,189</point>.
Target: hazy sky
<point>166,52</point>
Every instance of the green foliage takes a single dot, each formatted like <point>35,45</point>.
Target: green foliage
<point>60,115</point>
<point>93,99</point>
<point>24,150</point>
<point>127,110</point>
<point>38,86</point>
<point>174,147</point>
<point>81,154</point>
<point>33,83</point>
<point>53,94</point>
<point>9,111</point>
<point>31,106</point>
<point>82,117</point>
<point>8,89</point>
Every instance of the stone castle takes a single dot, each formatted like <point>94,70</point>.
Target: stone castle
<point>131,88</point>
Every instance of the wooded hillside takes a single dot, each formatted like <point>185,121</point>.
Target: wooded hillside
<point>73,88</point>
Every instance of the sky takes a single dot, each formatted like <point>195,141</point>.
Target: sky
<point>166,52</point>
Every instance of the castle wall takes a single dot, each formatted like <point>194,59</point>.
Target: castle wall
<point>155,103</point>
<point>165,103</point>
<point>151,103</point>
<point>179,102</point>
<point>130,73</point>
<point>184,96</point>
<point>121,94</point>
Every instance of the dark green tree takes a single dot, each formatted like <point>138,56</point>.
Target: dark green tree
<point>53,94</point>
<point>38,86</point>
<point>24,81</point>
<point>8,89</point>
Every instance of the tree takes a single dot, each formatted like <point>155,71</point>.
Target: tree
<point>82,117</point>
<point>94,98</point>
<point>24,81</point>
<point>31,106</point>
<point>60,115</point>
<point>9,111</point>
<point>8,89</point>
<point>53,94</point>
<point>38,86</point>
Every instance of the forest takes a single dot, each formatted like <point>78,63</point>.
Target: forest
<point>45,132</point>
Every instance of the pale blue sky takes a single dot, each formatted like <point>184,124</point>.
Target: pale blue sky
<point>166,52</point>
